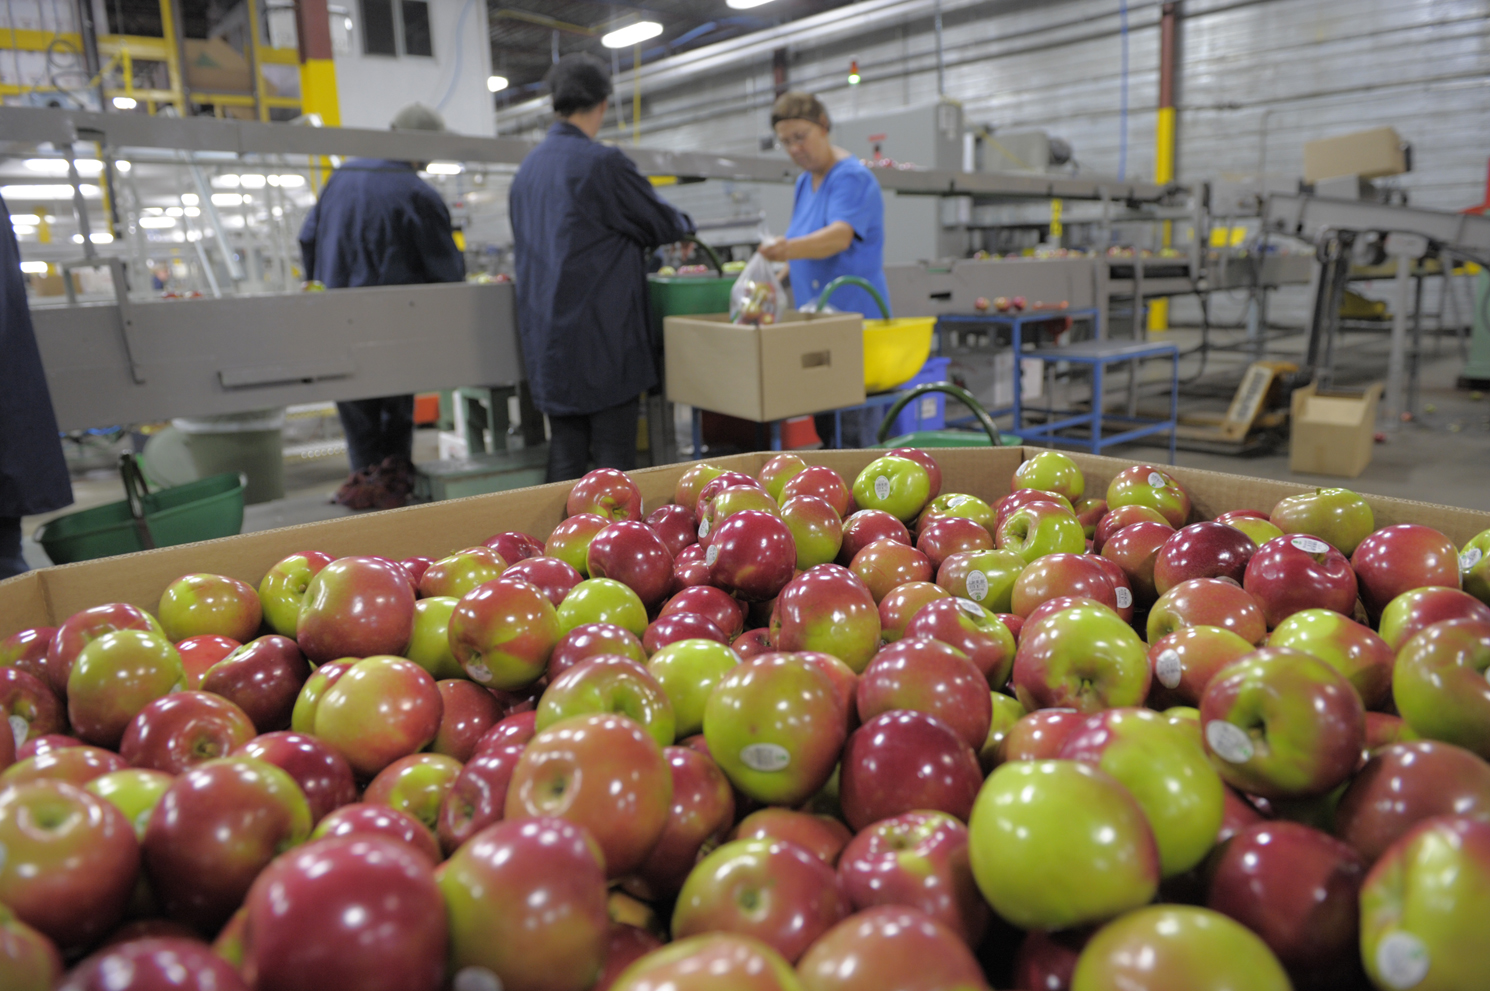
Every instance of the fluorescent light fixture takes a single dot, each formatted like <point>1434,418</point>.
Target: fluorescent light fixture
<point>227,199</point>
<point>251,180</point>
<point>288,181</point>
<point>156,223</point>
<point>23,230</point>
<point>444,168</point>
<point>101,237</point>
<point>25,219</point>
<point>174,211</point>
<point>123,165</point>
<point>189,199</point>
<point>58,166</point>
<point>746,4</point>
<point>34,268</point>
<point>495,84</point>
<point>45,191</point>
<point>228,181</point>
<point>631,34</point>
<point>125,103</point>
<point>192,211</point>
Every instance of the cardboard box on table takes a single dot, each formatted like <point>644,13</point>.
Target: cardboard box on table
<point>49,596</point>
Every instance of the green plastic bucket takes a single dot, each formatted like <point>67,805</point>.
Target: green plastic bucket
<point>949,438</point>
<point>683,295</point>
<point>202,510</point>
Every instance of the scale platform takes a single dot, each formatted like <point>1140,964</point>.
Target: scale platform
<point>479,474</point>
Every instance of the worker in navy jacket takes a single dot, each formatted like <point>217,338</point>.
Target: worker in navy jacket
<point>378,224</point>
<point>33,474</point>
<point>583,222</point>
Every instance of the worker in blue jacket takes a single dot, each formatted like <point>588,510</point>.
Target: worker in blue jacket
<point>33,473</point>
<point>378,224</point>
<point>583,222</point>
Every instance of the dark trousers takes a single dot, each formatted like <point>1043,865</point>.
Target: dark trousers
<point>11,561</point>
<point>378,429</point>
<point>609,437</point>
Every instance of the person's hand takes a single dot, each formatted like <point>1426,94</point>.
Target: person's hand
<point>774,250</point>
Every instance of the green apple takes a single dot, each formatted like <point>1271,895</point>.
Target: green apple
<point>1185,718</point>
<point>303,716</point>
<point>1041,528</point>
<point>1257,529</point>
<point>688,670</point>
<point>1440,686</point>
<point>133,791</point>
<point>210,605</point>
<point>414,785</point>
<point>1337,516</point>
<point>1145,485</point>
<point>282,590</point>
<point>429,647</point>
<point>780,470</point>
<point>959,504</point>
<point>1084,657</point>
<point>1177,948</point>
<point>602,600</point>
<point>898,486</point>
<point>1051,471</point>
<point>116,676</point>
<point>1423,908</point>
<point>986,577</point>
<point>1474,565</point>
<point>1166,770</point>
<point>1345,645</point>
<point>1058,843</point>
<point>816,530</point>
<point>609,684</point>
<point>1006,712</point>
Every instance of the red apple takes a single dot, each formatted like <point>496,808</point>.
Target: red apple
<point>74,765</point>
<point>414,785</point>
<point>503,632</point>
<point>703,809</point>
<point>822,836</point>
<point>28,706</point>
<point>1345,645</point>
<point>70,864</point>
<point>931,677</point>
<point>155,962</point>
<point>82,628</point>
<point>716,961</point>
<point>515,728</point>
<point>1039,735</point>
<point>1202,550</point>
<point>753,555</point>
<point>816,528</point>
<point>828,609</point>
<point>526,903</point>
<point>593,640</point>
<point>209,605</point>
<point>865,527</point>
<point>625,945</point>
<point>772,890</point>
<point>549,575</point>
<point>570,540</point>
<point>27,649</point>
<point>692,481</point>
<point>609,684</point>
<point>890,946</point>
<point>116,676</point>
<point>906,761</point>
<point>198,654</point>
<point>1440,687</point>
<point>1397,559</point>
<point>514,546</point>
<point>1420,608</point>
<point>887,563</point>
<point>1060,575</point>
<point>381,709</point>
<point>821,482</point>
<point>1185,661</point>
<point>670,629</point>
<point>718,606</point>
<point>183,729</point>
<point>477,796</point>
<point>1046,961</point>
<point>324,776</point>
<point>1135,548</point>
<point>1123,516</point>
<point>631,553</point>
<point>1146,485</point>
<point>466,713</point>
<point>47,744</point>
<point>603,772</point>
<point>901,605</point>
<point>1208,602</point>
<point>1404,783</point>
<point>264,678</point>
<point>971,629</point>
<point>920,860</point>
<point>675,525</point>
<point>1020,498</point>
<point>782,468</point>
<point>361,818</point>
<point>605,492</point>
<point>28,958</point>
<point>716,485</point>
<point>1089,513</point>
<point>355,607</point>
<point>690,568</point>
<point>360,911</point>
<point>754,643</point>
<point>1292,573</point>
<point>214,830</point>
<point>941,538</point>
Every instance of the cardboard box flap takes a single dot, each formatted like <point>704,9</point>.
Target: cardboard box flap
<point>1334,410</point>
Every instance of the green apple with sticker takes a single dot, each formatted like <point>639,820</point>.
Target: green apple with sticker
<point>1474,566</point>
<point>898,486</point>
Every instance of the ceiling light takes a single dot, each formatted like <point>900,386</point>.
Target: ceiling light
<point>157,222</point>
<point>227,199</point>
<point>125,103</point>
<point>496,84</point>
<point>746,4</point>
<point>23,230</point>
<point>46,192</point>
<point>28,219</point>
<point>34,268</point>
<point>291,181</point>
<point>192,211</point>
<point>123,165</point>
<point>229,181</point>
<point>58,166</point>
<point>631,34</point>
<point>189,199</point>
<point>444,168</point>
<point>102,237</point>
<point>174,211</point>
<point>251,180</point>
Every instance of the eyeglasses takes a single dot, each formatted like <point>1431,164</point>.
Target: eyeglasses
<point>795,139</point>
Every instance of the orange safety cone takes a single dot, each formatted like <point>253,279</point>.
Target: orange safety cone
<point>798,432</point>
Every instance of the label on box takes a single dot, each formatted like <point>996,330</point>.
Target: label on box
<point>1402,961</point>
<point>1156,480</point>
<point>711,555</point>
<point>1124,597</point>
<point>968,606</point>
<point>977,586</point>
<point>476,979</point>
<point>1469,559</point>
<point>1168,669</point>
<point>19,728</point>
<point>1229,742</point>
<point>882,487</point>
<point>479,672</point>
<point>765,757</point>
<point>1310,545</point>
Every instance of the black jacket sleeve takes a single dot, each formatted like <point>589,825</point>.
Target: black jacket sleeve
<point>629,205</point>
<point>431,233</point>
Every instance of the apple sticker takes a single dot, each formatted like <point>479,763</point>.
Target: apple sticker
<point>479,672</point>
<point>1124,597</point>
<point>977,586</point>
<point>968,606</point>
<point>19,728</point>
<point>703,529</point>
<point>711,555</point>
<point>1156,480</point>
<point>882,487</point>
<point>1168,669</point>
<point>476,978</point>
<point>1229,742</point>
<point>765,757</point>
<point>1310,545</point>
<point>1469,559</point>
<point>1402,960</point>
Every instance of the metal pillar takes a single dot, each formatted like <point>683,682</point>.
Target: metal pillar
<point>1405,248</point>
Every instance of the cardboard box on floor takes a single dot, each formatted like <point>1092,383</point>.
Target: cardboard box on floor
<point>49,596</point>
<point>1332,433</point>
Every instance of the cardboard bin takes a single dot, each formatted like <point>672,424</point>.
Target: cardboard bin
<point>1332,433</point>
<point>802,364</point>
<point>1368,154</point>
<point>49,596</point>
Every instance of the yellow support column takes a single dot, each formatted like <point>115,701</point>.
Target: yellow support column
<point>1164,143</point>
<point>174,69</point>
<point>317,70</point>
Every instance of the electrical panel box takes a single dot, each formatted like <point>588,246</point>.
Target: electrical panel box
<point>928,136</point>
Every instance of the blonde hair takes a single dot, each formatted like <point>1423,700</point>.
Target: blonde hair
<point>796,105</point>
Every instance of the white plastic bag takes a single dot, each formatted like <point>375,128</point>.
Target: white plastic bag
<point>756,297</point>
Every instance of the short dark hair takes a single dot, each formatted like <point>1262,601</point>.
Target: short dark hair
<point>578,82</point>
<point>796,105</point>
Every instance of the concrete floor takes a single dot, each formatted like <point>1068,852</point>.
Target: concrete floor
<point>1442,456</point>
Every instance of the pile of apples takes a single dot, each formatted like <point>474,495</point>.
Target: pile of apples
<point>785,733</point>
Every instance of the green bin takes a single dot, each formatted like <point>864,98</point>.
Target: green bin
<point>683,295</point>
<point>201,510</point>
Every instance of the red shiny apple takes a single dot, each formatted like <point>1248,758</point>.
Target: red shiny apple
<point>822,483</point>
<point>1135,548</point>
<point>28,706</point>
<point>1404,783</point>
<point>716,485</point>
<point>1020,498</point>
<point>358,911</point>
<point>356,607</point>
<point>690,567</point>
<point>324,776</point>
<point>865,527</point>
<point>718,606</point>
<point>712,962</point>
<point>198,654</point>
<point>905,761</point>
<point>675,525</point>
<point>931,677</point>
<point>264,678</point>
<point>74,765</point>
<point>605,492</point>
<point>1420,608</point>
<point>1122,589</point>
<point>886,564</point>
<point>816,529</point>
<point>703,809</point>
<point>477,797</point>
<point>503,632</point>
<point>1123,516</point>
<point>753,643</point>
<point>670,629</point>
<point>1039,735</point>
<point>822,836</point>
<point>1292,573</point>
<point>570,540</point>
<point>82,628</point>
<point>550,575</point>
<point>514,546</point>
<point>362,818</point>
<point>971,629</point>
<point>631,553</point>
<point>27,649</point>
<point>920,860</point>
<point>467,712</point>
<point>1208,602</point>
<point>155,963</point>
<point>941,538</point>
<point>625,945</point>
<point>890,946</point>
<point>593,640</point>
<point>209,605</point>
<point>116,676</point>
<point>1046,961</point>
<point>753,555</point>
<point>1345,645</point>
<point>692,481</point>
<point>1185,661</point>
<point>1056,575</point>
<point>828,609</point>
<point>1397,559</point>
<point>902,603</point>
<point>47,744</point>
<point>1202,550</point>
<point>183,729</point>
<point>1083,657</point>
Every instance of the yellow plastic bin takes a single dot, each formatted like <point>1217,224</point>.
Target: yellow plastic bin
<point>894,349</point>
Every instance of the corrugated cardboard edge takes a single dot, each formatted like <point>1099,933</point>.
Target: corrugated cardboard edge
<point>43,598</point>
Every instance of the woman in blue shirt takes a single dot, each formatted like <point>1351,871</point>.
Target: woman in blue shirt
<point>838,218</point>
